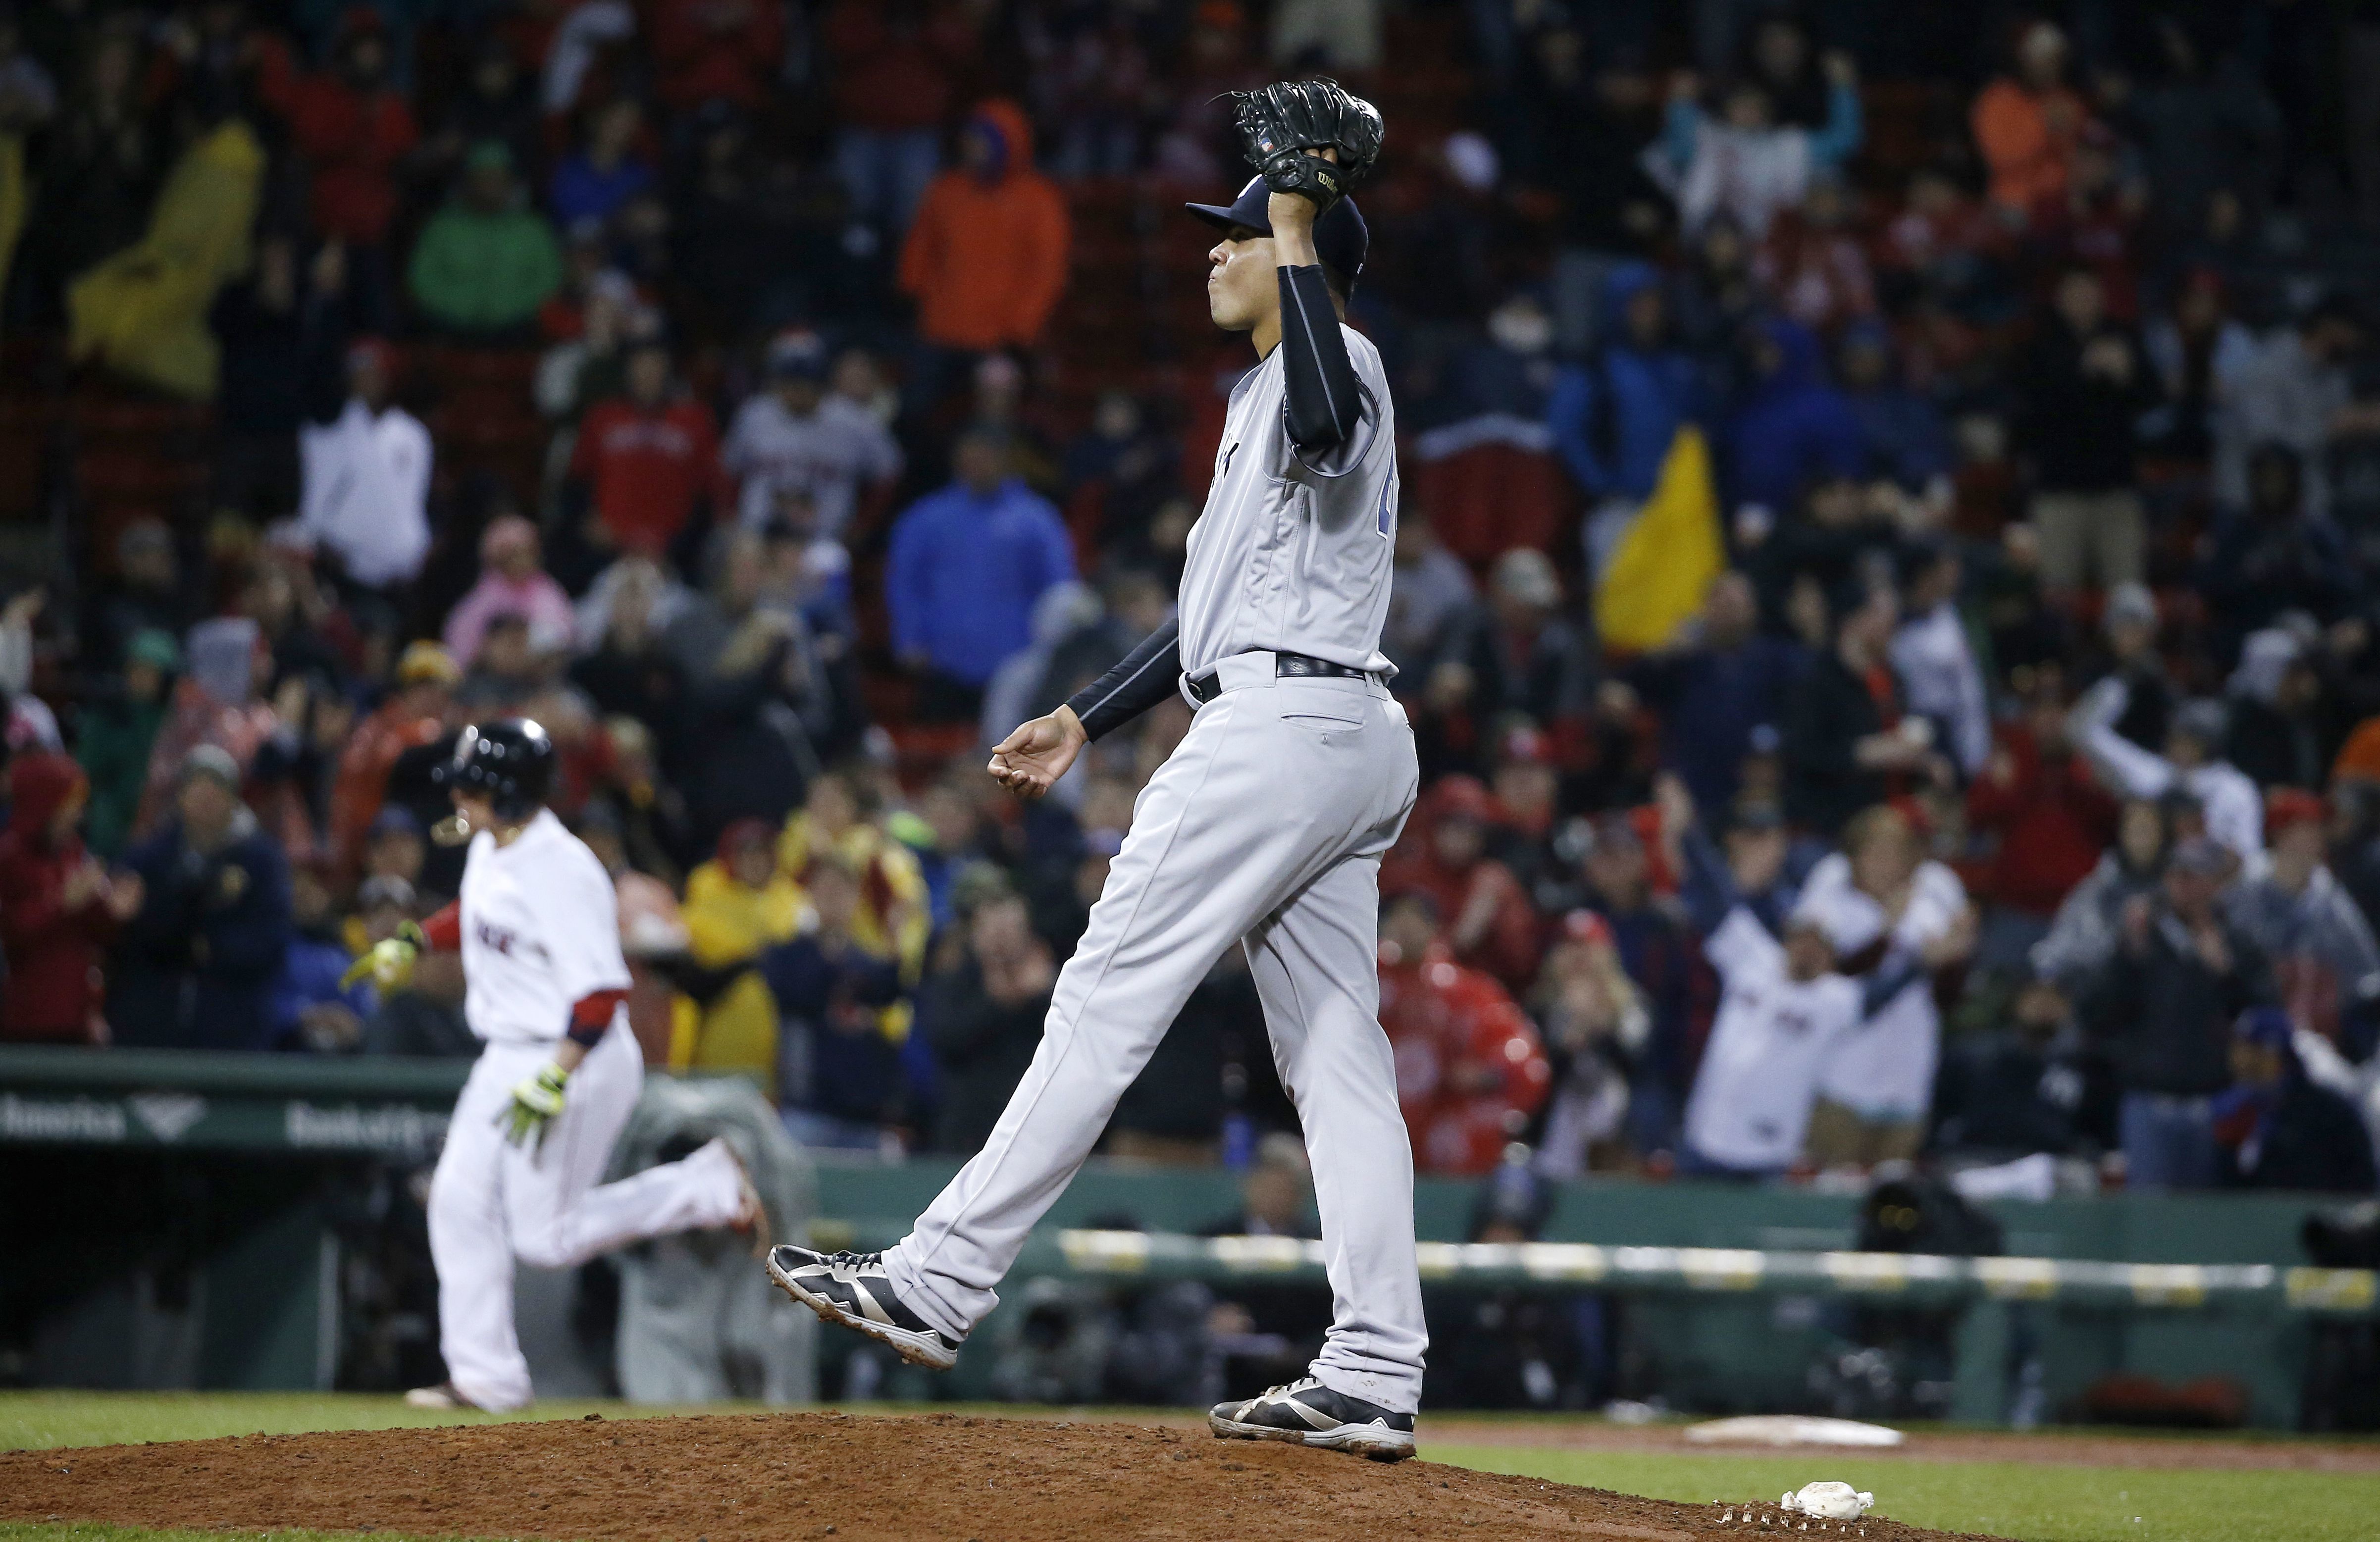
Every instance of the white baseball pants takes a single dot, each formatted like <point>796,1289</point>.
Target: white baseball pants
<point>491,1201</point>
<point>1265,829</point>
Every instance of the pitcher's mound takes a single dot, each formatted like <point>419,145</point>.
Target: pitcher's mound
<point>774,1478</point>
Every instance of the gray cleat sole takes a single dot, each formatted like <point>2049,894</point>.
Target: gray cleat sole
<point>1374,1442</point>
<point>918,1348</point>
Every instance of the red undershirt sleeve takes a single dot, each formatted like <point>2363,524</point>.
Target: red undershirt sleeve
<point>445,930</point>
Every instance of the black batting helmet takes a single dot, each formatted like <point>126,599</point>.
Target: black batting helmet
<point>511,761</point>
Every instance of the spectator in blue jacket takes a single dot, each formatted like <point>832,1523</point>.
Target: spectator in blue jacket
<point>595,180</point>
<point>1904,434</point>
<point>1718,692</point>
<point>199,959</point>
<point>1614,416</point>
<point>1793,429</point>
<point>968,564</point>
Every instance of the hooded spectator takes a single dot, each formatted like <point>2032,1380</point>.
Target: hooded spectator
<point>200,957</point>
<point>58,907</point>
<point>986,260</point>
<point>1793,429</point>
<point>1615,416</point>
<point>484,264</point>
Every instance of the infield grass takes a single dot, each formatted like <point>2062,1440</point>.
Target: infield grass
<point>2036,1501</point>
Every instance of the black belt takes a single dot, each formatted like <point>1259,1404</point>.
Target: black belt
<point>1207,687</point>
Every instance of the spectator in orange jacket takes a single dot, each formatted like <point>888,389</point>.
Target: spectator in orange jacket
<point>987,257</point>
<point>648,456</point>
<point>2028,127</point>
<point>1470,1069</point>
<point>349,126</point>
<point>1490,922</point>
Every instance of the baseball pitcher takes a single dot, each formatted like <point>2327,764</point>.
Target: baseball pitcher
<point>1264,829</point>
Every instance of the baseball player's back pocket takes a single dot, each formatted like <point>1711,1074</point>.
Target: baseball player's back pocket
<point>1322,709</point>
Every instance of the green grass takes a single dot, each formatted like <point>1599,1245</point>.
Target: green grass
<point>2043,1502</point>
<point>2040,1502</point>
<point>37,1420</point>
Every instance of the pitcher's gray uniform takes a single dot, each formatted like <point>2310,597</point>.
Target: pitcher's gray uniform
<point>1264,830</point>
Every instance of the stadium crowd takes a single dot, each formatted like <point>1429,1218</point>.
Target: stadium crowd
<point>2012,789</point>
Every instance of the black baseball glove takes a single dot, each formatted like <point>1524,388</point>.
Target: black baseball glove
<point>1279,123</point>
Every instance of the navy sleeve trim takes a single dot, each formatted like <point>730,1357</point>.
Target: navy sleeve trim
<point>1324,402</point>
<point>1140,680</point>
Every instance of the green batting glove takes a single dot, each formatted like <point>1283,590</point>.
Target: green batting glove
<point>390,961</point>
<point>537,1102</point>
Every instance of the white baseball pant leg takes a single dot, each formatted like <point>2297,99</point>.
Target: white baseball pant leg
<point>491,1201</point>
<point>1269,816</point>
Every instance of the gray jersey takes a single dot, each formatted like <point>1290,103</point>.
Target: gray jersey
<point>1293,553</point>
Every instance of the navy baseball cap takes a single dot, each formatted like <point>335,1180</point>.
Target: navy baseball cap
<point>1341,237</point>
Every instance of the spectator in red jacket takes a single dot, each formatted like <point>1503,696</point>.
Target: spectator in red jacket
<point>2052,820</point>
<point>58,907</point>
<point>647,458</point>
<point>716,51</point>
<point>1489,923</point>
<point>1470,1069</point>
<point>349,127</point>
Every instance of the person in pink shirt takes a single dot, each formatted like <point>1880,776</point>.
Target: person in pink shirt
<point>512,582</point>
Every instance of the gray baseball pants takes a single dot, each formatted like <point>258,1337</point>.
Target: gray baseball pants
<point>1264,828</point>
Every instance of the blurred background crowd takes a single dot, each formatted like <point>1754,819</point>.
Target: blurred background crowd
<point>1925,494</point>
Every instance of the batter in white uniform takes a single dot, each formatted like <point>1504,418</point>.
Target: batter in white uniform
<point>539,927</point>
<point>1264,830</point>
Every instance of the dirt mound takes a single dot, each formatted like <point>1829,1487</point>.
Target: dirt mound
<point>774,1477</point>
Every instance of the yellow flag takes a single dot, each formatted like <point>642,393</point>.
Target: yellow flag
<point>1665,562</point>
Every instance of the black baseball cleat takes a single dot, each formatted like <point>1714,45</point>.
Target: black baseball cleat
<point>851,1290</point>
<point>1309,1413</point>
